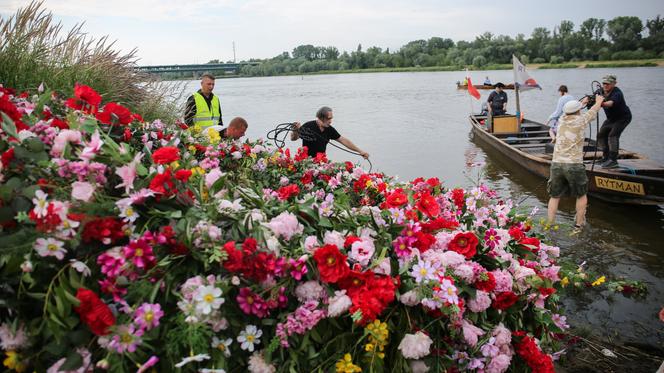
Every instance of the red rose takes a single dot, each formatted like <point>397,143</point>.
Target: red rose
<point>165,155</point>
<point>487,284</point>
<point>464,244</point>
<point>332,263</point>
<point>87,94</point>
<point>424,241</point>
<point>396,199</point>
<point>458,198</point>
<point>428,205</point>
<point>93,312</point>
<point>504,300</point>
<point>163,183</point>
<point>307,178</point>
<point>516,233</point>
<point>288,191</point>
<point>530,243</point>
<point>114,114</point>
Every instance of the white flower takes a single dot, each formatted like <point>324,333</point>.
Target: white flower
<point>208,298</point>
<point>128,213</point>
<point>41,205</point>
<point>249,336</point>
<point>339,303</point>
<point>196,358</point>
<point>26,266</point>
<point>415,346</point>
<point>310,290</point>
<point>226,205</point>
<point>419,366</point>
<point>409,298</point>
<point>25,134</point>
<point>206,370</point>
<point>50,247</point>
<point>80,267</point>
<point>273,244</point>
<point>285,225</point>
<point>222,345</point>
<point>10,340</point>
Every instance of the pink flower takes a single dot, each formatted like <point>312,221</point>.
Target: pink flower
<point>140,253</point>
<point>62,139</point>
<point>148,364</point>
<point>285,225</point>
<point>251,303</point>
<point>481,302</point>
<point>504,281</point>
<point>415,346</point>
<point>147,315</point>
<point>298,268</point>
<point>126,339</point>
<point>111,262</point>
<point>128,173</point>
<point>361,251</point>
<point>502,334</point>
<point>471,333</point>
<point>92,147</point>
<point>499,364</point>
<point>212,176</point>
<point>82,191</point>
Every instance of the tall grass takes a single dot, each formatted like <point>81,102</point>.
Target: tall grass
<point>35,49</point>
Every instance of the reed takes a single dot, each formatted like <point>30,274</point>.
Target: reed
<point>35,49</point>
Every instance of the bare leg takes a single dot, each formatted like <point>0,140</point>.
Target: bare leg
<point>581,204</point>
<point>552,209</point>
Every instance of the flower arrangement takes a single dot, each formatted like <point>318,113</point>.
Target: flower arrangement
<point>129,245</point>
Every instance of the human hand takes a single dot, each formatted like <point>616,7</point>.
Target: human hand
<point>584,101</point>
<point>599,98</point>
<point>364,155</point>
<point>296,125</point>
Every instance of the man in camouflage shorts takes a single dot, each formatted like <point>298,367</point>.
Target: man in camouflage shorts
<point>568,174</point>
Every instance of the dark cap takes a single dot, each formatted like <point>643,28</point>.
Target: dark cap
<point>499,85</point>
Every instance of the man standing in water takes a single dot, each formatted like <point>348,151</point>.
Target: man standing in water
<point>568,174</point>
<point>317,133</point>
<point>203,109</point>
<point>618,117</point>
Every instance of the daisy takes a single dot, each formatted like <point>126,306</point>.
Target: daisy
<point>423,271</point>
<point>41,206</point>
<point>248,337</point>
<point>208,298</point>
<point>195,358</point>
<point>222,345</point>
<point>50,247</point>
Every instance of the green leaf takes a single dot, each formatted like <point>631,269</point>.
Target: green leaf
<point>73,362</point>
<point>29,192</point>
<point>8,125</point>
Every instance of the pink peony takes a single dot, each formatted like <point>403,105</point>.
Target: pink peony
<point>285,225</point>
<point>503,281</point>
<point>481,302</point>
<point>415,346</point>
<point>82,191</point>
<point>498,364</point>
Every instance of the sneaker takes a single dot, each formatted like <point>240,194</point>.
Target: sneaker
<point>577,229</point>
<point>609,164</point>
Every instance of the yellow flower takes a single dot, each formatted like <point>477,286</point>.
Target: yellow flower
<point>175,165</point>
<point>192,148</point>
<point>346,365</point>
<point>599,281</point>
<point>213,135</point>
<point>197,170</point>
<point>13,361</point>
<point>564,282</point>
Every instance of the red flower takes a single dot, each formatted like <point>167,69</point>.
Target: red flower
<point>307,177</point>
<point>487,284</point>
<point>163,183</point>
<point>349,166</point>
<point>547,291</point>
<point>59,123</point>
<point>458,198</point>
<point>464,244</point>
<point>424,241</point>
<point>530,243</point>
<point>354,282</point>
<point>396,199</point>
<point>527,349</point>
<point>332,263</point>
<point>428,205</point>
<point>104,230</point>
<point>7,157</point>
<point>516,233</point>
<point>302,154</point>
<point>320,158</point>
<point>233,262</point>
<point>350,240</point>
<point>86,99</point>
<point>286,192</point>
<point>438,224</point>
<point>183,175</point>
<point>373,297</point>
<point>114,114</point>
<point>165,155</point>
<point>504,300</point>
<point>93,312</point>
<point>46,223</point>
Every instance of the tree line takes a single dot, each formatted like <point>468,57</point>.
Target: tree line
<point>623,37</point>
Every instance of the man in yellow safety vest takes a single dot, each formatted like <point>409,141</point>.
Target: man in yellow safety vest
<point>203,109</point>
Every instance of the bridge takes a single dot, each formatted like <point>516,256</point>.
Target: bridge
<point>198,69</point>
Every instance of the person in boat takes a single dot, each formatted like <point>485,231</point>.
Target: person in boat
<point>498,100</point>
<point>316,133</point>
<point>203,109</point>
<point>553,118</point>
<point>487,81</point>
<point>236,129</point>
<point>618,116</point>
<point>465,82</point>
<point>567,173</point>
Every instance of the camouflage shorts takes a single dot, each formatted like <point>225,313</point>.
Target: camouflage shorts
<point>567,179</point>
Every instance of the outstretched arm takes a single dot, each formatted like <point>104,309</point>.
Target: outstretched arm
<point>349,144</point>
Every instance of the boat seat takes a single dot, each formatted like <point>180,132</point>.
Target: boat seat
<point>520,133</point>
<point>522,146</point>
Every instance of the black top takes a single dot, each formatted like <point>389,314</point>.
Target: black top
<point>315,140</point>
<point>497,100</point>
<point>619,110</point>
<point>190,109</point>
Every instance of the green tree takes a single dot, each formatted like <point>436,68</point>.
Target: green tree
<point>625,32</point>
<point>655,39</point>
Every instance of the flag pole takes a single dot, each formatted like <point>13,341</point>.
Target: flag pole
<point>516,91</point>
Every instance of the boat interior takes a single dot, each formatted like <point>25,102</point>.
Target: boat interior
<point>533,138</point>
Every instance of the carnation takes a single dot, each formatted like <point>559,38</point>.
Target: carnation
<point>339,303</point>
<point>310,290</point>
<point>334,238</point>
<point>415,346</point>
<point>258,365</point>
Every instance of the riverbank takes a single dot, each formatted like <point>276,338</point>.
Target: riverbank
<point>543,66</point>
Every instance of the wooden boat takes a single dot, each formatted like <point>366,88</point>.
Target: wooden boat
<point>483,86</point>
<point>638,180</point>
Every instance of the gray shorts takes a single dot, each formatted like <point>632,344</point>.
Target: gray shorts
<point>567,179</point>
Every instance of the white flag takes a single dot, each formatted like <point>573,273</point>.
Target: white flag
<point>521,78</point>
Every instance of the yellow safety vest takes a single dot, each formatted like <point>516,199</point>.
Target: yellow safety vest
<point>204,118</point>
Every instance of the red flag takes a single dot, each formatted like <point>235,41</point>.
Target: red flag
<point>472,90</point>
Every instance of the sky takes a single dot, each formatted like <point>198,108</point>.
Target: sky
<point>197,31</point>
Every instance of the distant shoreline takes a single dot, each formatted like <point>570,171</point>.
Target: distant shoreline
<point>534,66</point>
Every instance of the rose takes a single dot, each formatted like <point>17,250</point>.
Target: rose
<point>465,244</point>
<point>166,155</point>
<point>332,263</point>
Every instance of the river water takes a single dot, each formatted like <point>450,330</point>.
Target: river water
<point>415,124</point>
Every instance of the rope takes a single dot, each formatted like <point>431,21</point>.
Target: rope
<point>280,132</point>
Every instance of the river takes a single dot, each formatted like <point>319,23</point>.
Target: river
<point>415,124</point>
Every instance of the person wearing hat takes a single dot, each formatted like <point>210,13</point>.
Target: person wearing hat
<point>618,116</point>
<point>498,100</point>
<point>567,173</point>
